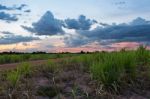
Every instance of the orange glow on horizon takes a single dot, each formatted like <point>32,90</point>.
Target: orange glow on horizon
<point>36,47</point>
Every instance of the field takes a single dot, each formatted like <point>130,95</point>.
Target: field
<point>98,75</point>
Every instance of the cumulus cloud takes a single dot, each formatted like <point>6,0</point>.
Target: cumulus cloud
<point>10,38</point>
<point>139,21</point>
<point>20,7</point>
<point>47,25</point>
<point>3,7</point>
<point>8,17</point>
<point>5,15</point>
<point>136,31</point>
<point>82,23</point>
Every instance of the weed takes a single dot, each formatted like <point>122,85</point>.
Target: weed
<point>51,66</point>
<point>25,68</point>
<point>13,77</point>
<point>142,55</point>
<point>111,69</point>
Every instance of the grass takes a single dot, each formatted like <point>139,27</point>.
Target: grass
<point>112,70</point>
<point>12,58</point>
<point>13,77</point>
<point>50,66</point>
<point>142,55</point>
<point>25,68</point>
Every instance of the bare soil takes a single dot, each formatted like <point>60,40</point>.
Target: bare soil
<point>33,63</point>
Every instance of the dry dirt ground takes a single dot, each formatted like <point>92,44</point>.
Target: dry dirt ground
<point>33,63</point>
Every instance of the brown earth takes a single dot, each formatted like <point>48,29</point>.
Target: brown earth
<point>33,63</point>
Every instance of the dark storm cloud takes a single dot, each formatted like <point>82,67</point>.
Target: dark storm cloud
<point>82,23</point>
<point>8,17</point>
<point>47,25</point>
<point>136,31</point>
<point>10,38</point>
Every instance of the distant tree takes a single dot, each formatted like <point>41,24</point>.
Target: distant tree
<point>88,52</point>
<point>123,49</point>
<point>82,52</point>
<point>104,52</point>
<point>39,52</point>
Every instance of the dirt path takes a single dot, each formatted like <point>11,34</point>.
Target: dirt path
<point>14,65</point>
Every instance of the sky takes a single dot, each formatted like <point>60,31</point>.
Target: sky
<point>73,25</point>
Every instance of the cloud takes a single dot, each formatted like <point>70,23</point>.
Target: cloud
<point>120,3</point>
<point>28,11</point>
<point>8,17</point>
<point>47,25</point>
<point>6,32</point>
<point>3,7</point>
<point>75,40</point>
<point>13,39</point>
<point>20,7</point>
<point>136,31</point>
<point>25,44</point>
<point>50,46</point>
<point>139,21</point>
<point>79,24</point>
<point>104,24</point>
<point>30,29</point>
